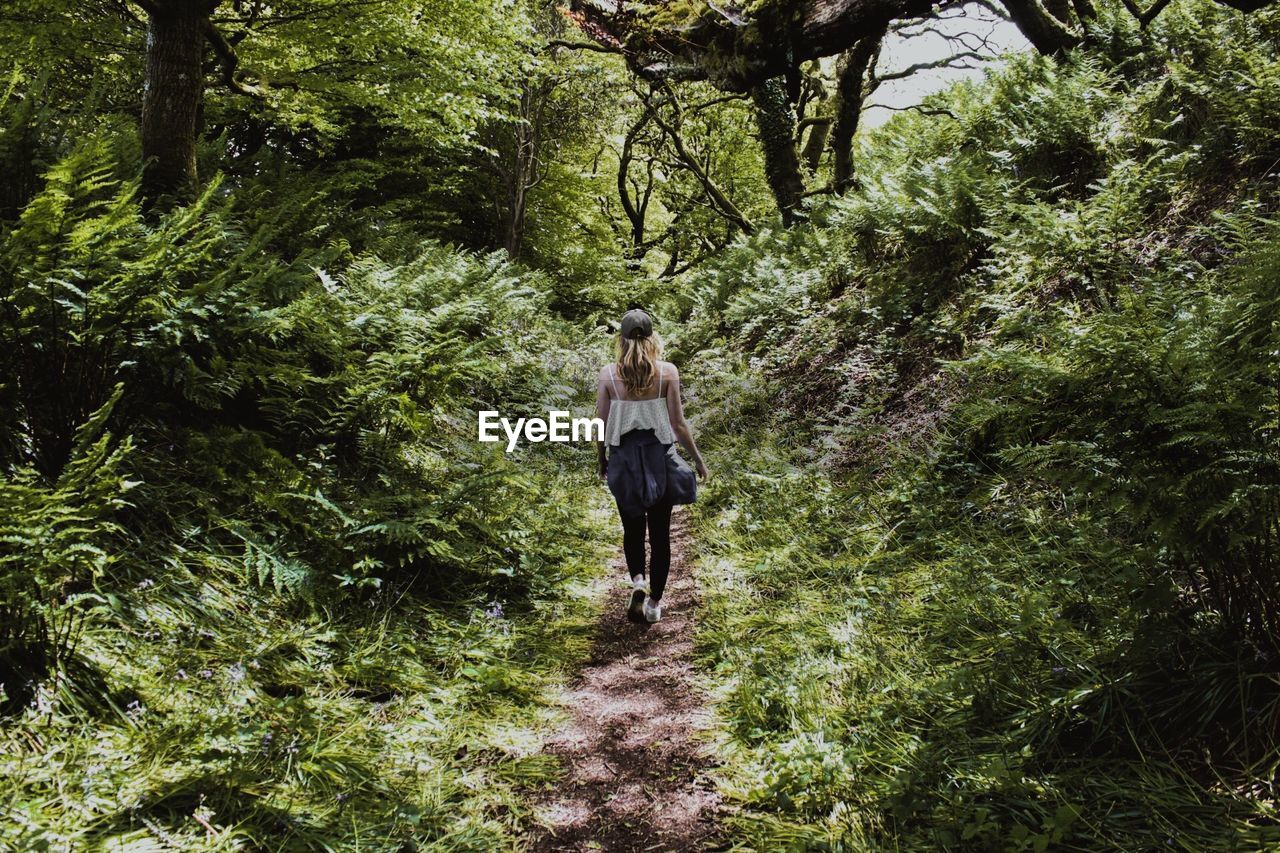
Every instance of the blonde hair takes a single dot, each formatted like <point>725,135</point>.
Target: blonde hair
<point>638,362</point>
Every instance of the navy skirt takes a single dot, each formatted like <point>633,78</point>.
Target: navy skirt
<point>643,471</point>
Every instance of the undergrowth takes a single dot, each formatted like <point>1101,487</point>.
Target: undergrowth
<point>991,562</point>
<point>261,586</point>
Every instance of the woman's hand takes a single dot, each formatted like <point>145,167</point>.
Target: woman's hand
<point>604,468</point>
<point>701,468</point>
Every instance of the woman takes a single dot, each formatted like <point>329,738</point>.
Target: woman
<point>638,398</point>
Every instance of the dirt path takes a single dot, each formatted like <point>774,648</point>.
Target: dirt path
<point>635,773</point>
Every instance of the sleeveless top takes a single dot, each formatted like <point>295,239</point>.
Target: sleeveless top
<point>626,415</point>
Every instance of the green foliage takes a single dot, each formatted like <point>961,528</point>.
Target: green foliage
<point>923,664</point>
<point>313,409</point>
<point>281,632</point>
<point>1163,409</point>
<point>57,541</point>
<point>234,722</point>
<point>992,562</point>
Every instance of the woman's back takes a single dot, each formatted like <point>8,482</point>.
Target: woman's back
<point>638,398</point>
<point>627,414</point>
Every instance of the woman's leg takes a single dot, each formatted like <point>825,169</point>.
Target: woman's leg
<point>633,544</point>
<point>659,548</point>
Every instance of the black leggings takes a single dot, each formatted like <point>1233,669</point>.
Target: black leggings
<point>658,520</point>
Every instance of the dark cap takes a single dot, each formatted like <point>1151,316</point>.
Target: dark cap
<point>636,324</point>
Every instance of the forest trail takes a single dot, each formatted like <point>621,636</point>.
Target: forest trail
<point>635,772</point>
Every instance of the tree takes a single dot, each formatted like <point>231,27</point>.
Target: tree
<point>176,66</point>
<point>688,174</point>
<point>759,54</point>
<point>859,76</point>
<point>555,104</point>
<point>518,159</point>
<point>761,50</point>
<point>852,88</point>
<point>173,89</point>
<point>736,48</point>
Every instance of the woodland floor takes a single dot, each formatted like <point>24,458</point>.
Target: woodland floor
<point>635,766</point>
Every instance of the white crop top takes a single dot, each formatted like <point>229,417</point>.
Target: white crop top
<point>626,415</point>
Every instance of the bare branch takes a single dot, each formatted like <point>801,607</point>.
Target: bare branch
<point>734,96</point>
<point>948,62</point>
<point>966,40</point>
<point>923,110</point>
<point>991,7</point>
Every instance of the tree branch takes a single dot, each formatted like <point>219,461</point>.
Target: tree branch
<point>1246,5</point>
<point>923,110</point>
<point>929,66</point>
<point>583,45</point>
<point>1150,14</point>
<point>635,214</point>
<point>1047,33</point>
<point>229,61</point>
<point>855,81</point>
<point>722,201</point>
<point>148,6</point>
<point>992,7</point>
<point>771,41</point>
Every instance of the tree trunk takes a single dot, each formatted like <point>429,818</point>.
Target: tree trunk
<point>815,144</point>
<point>514,218</point>
<point>634,210</point>
<point>172,95</point>
<point>776,122</point>
<point>1048,34</point>
<point>19,153</point>
<point>849,97</point>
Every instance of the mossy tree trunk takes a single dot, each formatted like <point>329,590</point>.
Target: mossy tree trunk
<point>850,94</point>
<point>776,123</point>
<point>815,143</point>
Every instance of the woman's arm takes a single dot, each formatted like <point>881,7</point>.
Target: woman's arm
<point>676,410</point>
<point>602,412</point>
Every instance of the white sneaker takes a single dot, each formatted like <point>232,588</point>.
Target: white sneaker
<point>638,590</point>
<point>652,610</point>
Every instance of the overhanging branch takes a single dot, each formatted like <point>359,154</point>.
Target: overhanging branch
<point>947,62</point>
<point>229,61</point>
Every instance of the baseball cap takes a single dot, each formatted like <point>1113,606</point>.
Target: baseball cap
<point>636,324</point>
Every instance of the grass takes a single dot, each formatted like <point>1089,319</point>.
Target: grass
<point>890,676</point>
<point>225,716</point>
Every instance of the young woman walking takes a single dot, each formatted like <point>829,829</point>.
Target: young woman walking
<point>638,398</point>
